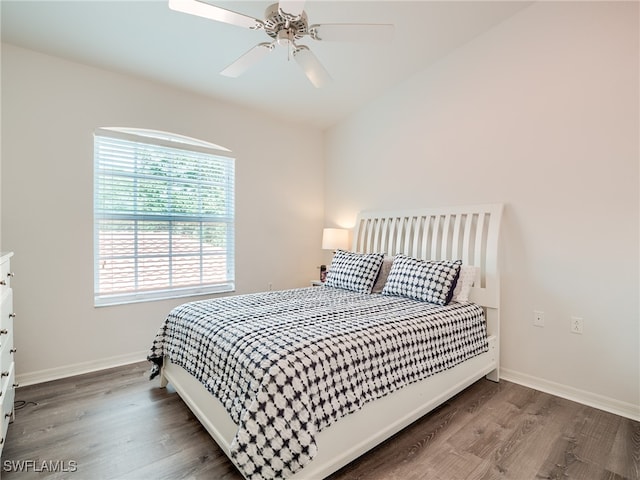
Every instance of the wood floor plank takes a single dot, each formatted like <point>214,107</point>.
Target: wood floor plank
<point>404,452</point>
<point>119,426</point>
<point>624,457</point>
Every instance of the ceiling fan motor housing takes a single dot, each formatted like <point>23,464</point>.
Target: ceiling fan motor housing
<point>280,26</point>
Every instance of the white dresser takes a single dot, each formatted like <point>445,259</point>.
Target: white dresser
<point>7,365</point>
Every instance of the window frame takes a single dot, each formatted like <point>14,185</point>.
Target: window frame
<point>164,140</point>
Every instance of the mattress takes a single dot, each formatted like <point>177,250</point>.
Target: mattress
<point>286,364</point>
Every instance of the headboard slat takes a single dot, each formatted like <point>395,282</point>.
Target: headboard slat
<point>457,247</point>
<point>434,237</point>
<point>425,232</point>
<point>479,247</point>
<point>466,240</point>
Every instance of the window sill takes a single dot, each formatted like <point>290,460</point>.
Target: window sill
<point>108,301</point>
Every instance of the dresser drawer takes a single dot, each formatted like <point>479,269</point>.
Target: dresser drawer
<point>6,317</point>
<point>5,272</point>
<point>6,404</point>
<point>6,358</point>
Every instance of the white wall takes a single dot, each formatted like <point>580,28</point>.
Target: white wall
<point>50,108</point>
<point>540,113</point>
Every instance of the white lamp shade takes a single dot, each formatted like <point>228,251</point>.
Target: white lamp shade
<point>335,238</point>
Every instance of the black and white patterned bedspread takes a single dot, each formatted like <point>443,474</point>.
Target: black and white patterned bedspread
<point>287,364</point>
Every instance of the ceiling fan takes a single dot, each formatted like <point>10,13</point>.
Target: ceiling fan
<point>286,22</point>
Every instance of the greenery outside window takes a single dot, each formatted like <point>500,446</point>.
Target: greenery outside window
<point>163,216</point>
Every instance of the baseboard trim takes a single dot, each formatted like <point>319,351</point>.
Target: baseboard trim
<point>50,374</point>
<point>590,399</point>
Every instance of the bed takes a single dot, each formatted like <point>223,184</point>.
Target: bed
<point>301,401</point>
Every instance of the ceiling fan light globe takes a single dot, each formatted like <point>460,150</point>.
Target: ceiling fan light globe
<point>285,38</point>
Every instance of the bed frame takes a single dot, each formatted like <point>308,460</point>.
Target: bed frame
<point>469,233</point>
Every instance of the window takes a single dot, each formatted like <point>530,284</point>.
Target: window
<point>163,216</point>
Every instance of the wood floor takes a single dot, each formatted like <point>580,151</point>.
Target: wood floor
<point>116,424</point>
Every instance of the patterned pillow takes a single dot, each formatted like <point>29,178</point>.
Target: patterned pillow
<point>431,282</point>
<point>354,271</point>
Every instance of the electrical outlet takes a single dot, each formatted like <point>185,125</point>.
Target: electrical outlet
<point>576,325</point>
<point>538,318</point>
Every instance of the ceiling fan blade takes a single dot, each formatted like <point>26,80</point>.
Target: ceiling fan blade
<point>293,8</point>
<point>247,60</point>
<point>352,32</point>
<point>219,14</point>
<point>312,67</point>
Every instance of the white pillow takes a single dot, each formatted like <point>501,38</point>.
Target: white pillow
<point>382,276</point>
<point>466,279</point>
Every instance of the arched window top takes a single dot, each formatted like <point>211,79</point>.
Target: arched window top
<point>160,137</point>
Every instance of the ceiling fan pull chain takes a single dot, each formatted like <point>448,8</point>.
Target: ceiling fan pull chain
<point>291,49</point>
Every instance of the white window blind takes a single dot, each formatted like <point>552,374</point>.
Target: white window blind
<point>163,216</point>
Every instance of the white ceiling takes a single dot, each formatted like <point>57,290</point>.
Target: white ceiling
<point>147,39</point>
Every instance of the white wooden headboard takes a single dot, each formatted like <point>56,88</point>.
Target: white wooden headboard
<point>468,233</point>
